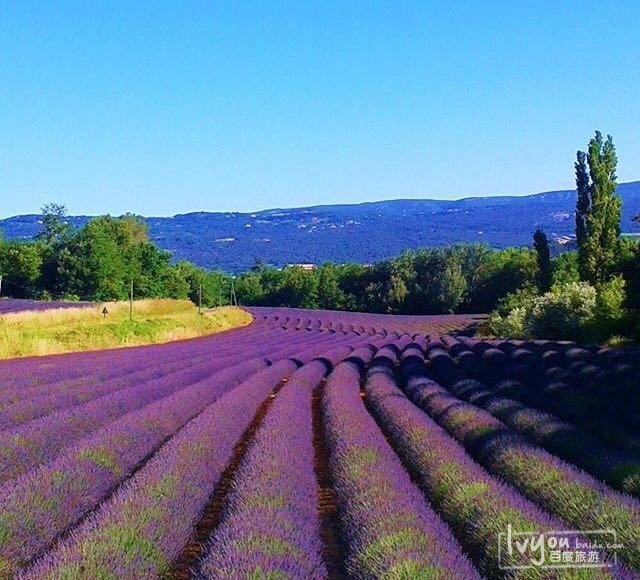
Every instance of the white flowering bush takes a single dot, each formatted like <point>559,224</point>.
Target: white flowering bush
<point>509,324</point>
<point>561,314</point>
<point>564,313</point>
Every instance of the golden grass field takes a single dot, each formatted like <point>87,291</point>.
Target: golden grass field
<point>80,329</point>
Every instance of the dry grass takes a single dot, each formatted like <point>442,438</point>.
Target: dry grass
<point>81,329</point>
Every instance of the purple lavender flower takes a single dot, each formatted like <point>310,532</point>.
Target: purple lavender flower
<point>389,530</point>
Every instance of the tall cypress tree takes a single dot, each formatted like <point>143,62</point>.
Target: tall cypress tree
<point>597,209</point>
<point>541,246</point>
<point>583,203</point>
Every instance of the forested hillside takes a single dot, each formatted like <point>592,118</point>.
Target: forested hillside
<point>361,233</point>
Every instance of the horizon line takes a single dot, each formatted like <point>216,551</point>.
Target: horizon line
<point>317,206</point>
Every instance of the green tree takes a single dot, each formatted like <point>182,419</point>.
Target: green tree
<point>543,257</point>
<point>54,232</point>
<point>299,288</point>
<point>597,209</point>
<point>151,271</point>
<point>353,279</point>
<point>402,274</point>
<point>396,291</point>
<point>55,227</point>
<point>175,284</point>
<point>102,259</point>
<point>428,266</point>
<point>212,285</point>
<point>583,199</point>
<point>216,287</point>
<point>504,272</point>
<point>20,265</point>
<point>474,259</point>
<point>330,295</point>
<point>271,281</point>
<point>249,287</point>
<point>386,288</point>
<point>451,286</point>
<point>565,269</point>
<point>630,268</point>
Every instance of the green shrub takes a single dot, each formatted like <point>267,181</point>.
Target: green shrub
<point>509,317</point>
<point>611,316</point>
<point>562,313</point>
<point>510,324</point>
<point>572,311</point>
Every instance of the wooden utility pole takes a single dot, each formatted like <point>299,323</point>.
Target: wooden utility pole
<point>200,298</point>
<point>131,303</point>
<point>0,284</point>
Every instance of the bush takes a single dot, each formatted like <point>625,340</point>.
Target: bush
<point>611,317</point>
<point>510,324</point>
<point>509,317</point>
<point>557,315</point>
<point>573,311</point>
<point>562,313</point>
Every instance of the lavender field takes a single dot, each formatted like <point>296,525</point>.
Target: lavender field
<point>13,305</point>
<point>317,444</point>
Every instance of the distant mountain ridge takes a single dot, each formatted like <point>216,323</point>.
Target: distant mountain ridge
<point>364,232</point>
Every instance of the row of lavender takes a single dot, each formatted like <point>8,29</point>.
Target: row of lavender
<point>596,389</point>
<point>156,510</point>
<point>363,323</point>
<point>77,426</point>
<point>269,523</point>
<point>389,526</point>
<point>64,464</point>
<point>106,363</point>
<point>120,494</point>
<point>33,388</point>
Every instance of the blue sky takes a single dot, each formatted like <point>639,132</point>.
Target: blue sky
<point>169,107</point>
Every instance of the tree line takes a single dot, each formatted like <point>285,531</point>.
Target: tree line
<point>101,260</point>
<point>97,262</point>
<point>462,278</point>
